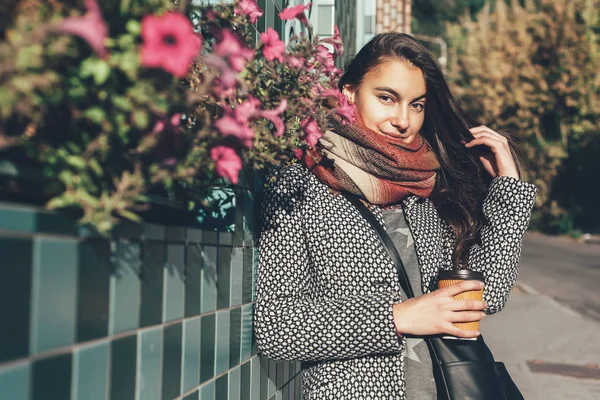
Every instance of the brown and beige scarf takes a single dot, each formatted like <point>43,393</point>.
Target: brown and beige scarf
<point>379,169</point>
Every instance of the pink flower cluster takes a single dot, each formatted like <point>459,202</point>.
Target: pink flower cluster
<point>296,12</point>
<point>236,120</point>
<point>250,9</point>
<point>273,46</point>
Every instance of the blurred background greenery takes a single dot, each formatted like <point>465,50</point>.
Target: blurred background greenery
<point>530,68</point>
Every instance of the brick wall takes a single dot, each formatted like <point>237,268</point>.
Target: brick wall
<point>393,15</point>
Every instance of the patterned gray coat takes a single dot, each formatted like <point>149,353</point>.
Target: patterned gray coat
<point>326,285</point>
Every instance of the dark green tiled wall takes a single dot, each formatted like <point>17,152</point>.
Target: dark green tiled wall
<point>159,313</point>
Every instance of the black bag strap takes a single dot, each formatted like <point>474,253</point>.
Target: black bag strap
<point>401,271</point>
<point>386,241</point>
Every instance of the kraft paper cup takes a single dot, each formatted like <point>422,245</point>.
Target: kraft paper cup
<point>451,277</point>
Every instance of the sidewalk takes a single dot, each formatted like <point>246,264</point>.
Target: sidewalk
<point>534,332</point>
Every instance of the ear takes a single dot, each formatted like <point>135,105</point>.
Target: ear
<point>350,92</point>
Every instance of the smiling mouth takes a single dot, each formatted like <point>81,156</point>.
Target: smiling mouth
<point>394,135</point>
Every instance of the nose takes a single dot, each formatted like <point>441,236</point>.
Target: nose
<point>400,120</point>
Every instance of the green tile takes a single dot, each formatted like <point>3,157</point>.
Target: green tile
<point>221,387</point>
<point>207,350</point>
<point>210,237</point>
<point>128,229</point>
<point>235,336</point>
<point>235,384</point>
<point>193,279</point>
<point>207,392</point>
<point>237,276</point>
<point>154,232</point>
<point>222,345</point>
<point>15,296</point>
<point>149,364</point>
<point>194,235</point>
<point>193,396</point>
<point>54,293</point>
<point>174,284</point>
<point>191,354</point>
<point>272,382</point>
<point>52,378</point>
<point>248,268</point>
<point>223,277</point>
<point>279,380</point>
<point>90,372</point>
<point>14,382</point>
<point>176,234</point>
<point>172,352</point>
<point>258,382</point>
<point>123,368</point>
<point>24,219</point>
<point>286,372</point>
<point>247,334</point>
<point>225,238</point>
<point>95,268</point>
<point>209,280</point>
<point>153,258</point>
<point>245,380</point>
<point>125,288</point>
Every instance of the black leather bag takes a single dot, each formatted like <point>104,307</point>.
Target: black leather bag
<point>463,369</point>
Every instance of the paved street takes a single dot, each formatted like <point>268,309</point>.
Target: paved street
<point>539,330</point>
<point>563,269</point>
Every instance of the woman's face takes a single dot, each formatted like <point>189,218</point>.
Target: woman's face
<point>391,99</point>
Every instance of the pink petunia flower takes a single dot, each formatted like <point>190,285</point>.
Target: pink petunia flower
<point>230,46</point>
<point>274,117</point>
<point>228,125</point>
<point>225,83</point>
<point>295,12</point>
<point>311,129</point>
<point>248,109</point>
<point>169,43</point>
<point>335,41</point>
<point>295,62</point>
<point>249,8</point>
<point>227,162</point>
<point>91,27</point>
<point>298,153</point>
<point>273,46</point>
<point>346,110</point>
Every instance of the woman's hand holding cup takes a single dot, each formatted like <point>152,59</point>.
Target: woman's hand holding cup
<point>434,313</point>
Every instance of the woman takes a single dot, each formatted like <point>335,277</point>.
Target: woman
<point>449,196</point>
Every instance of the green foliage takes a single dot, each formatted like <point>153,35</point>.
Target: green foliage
<point>104,130</point>
<point>531,70</point>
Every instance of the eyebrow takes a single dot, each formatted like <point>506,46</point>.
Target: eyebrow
<point>392,91</point>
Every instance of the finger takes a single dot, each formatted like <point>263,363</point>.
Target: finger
<point>484,130</point>
<point>486,141</point>
<point>467,316</point>
<point>464,286</point>
<point>467,305</point>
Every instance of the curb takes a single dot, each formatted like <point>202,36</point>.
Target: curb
<point>534,292</point>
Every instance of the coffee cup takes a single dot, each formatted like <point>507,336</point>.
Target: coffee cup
<point>451,277</point>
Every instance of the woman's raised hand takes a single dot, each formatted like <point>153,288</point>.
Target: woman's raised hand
<point>499,160</point>
<point>434,313</point>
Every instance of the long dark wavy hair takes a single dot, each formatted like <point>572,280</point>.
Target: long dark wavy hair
<point>462,181</point>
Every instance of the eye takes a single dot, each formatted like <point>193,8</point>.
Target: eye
<point>385,98</point>
<point>418,106</point>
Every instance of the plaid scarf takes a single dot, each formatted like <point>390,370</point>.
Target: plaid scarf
<point>382,170</point>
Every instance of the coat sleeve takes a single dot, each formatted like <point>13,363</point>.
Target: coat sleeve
<point>293,323</point>
<point>507,209</point>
